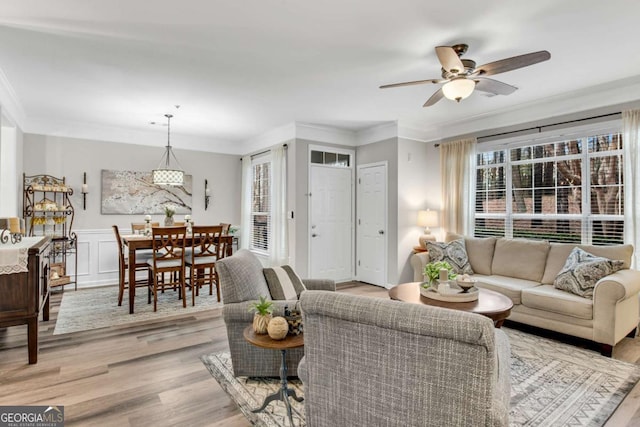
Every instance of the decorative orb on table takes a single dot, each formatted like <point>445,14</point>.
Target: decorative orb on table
<point>278,328</point>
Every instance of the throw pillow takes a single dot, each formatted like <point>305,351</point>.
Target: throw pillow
<point>284,283</point>
<point>455,253</point>
<point>582,271</point>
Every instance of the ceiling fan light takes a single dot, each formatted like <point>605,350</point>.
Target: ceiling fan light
<point>458,89</point>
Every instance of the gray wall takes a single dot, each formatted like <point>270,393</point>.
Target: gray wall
<point>71,157</point>
<point>418,188</point>
<point>386,150</point>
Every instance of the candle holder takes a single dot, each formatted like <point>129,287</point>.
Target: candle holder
<point>207,194</point>
<point>85,190</point>
<point>11,230</point>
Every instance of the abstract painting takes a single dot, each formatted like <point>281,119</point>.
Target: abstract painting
<point>133,193</point>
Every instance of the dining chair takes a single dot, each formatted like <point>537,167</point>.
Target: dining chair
<point>179,223</point>
<point>202,258</point>
<point>123,266</point>
<point>168,257</point>
<point>225,228</point>
<point>135,226</point>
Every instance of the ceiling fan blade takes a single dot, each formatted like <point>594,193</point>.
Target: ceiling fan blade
<point>513,63</point>
<point>434,98</point>
<point>417,82</point>
<point>494,86</point>
<point>449,59</point>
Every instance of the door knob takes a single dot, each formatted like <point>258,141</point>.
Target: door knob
<point>380,231</point>
<point>314,235</point>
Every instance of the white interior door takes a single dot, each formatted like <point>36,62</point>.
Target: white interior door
<point>330,225</point>
<point>371,266</point>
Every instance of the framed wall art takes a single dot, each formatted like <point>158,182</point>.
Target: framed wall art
<point>133,193</point>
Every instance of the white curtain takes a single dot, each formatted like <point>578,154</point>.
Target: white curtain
<point>245,204</point>
<point>631,139</point>
<point>279,250</point>
<point>457,170</point>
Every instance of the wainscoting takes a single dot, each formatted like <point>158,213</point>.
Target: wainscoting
<point>97,257</point>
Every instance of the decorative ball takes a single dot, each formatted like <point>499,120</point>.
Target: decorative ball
<point>278,328</point>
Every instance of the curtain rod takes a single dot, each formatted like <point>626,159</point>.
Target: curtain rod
<point>540,128</point>
<point>263,152</point>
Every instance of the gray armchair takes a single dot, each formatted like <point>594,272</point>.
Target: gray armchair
<point>370,361</point>
<point>242,282</point>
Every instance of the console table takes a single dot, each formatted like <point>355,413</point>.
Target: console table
<point>24,286</point>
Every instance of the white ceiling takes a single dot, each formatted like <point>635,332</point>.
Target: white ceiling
<point>242,68</point>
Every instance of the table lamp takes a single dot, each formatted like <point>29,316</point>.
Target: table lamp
<point>427,219</point>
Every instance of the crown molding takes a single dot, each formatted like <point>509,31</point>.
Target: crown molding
<point>378,133</point>
<point>327,134</point>
<point>89,131</point>
<point>11,106</point>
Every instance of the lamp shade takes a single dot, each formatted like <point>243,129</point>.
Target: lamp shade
<point>168,177</point>
<point>427,218</point>
<point>458,89</point>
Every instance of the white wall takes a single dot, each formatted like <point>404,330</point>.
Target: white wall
<point>70,157</point>
<point>10,168</point>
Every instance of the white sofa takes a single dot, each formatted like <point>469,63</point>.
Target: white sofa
<point>524,270</point>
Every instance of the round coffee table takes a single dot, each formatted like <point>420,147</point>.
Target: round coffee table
<point>264,341</point>
<point>492,304</point>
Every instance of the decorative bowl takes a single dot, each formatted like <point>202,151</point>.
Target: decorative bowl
<point>466,283</point>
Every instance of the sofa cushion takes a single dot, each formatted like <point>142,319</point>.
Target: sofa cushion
<point>507,286</point>
<point>284,283</point>
<point>454,253</point>
<point>558,254</point>
<point>548,298</point>
<point>480,251</point>
<point>618,252</point>
<point>582,271</point>
<point>520,258</point>
<point>241,277</point>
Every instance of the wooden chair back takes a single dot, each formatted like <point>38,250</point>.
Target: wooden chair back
<point>168,245</point>
<point>205,241</point>
<point>225,227</point>
<point>225,246</point>
<point>121,262</point>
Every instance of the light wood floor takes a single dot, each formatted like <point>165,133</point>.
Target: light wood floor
<point>150,373</point>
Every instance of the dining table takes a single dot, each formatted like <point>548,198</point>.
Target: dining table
<point>139,242</point>
<point>135,243</point>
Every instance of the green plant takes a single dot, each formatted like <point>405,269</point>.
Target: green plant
<point>169,210</point>
<point>432,270</point>
<point>262,307</point>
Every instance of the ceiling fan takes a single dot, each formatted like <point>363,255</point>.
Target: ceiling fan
<point>461,76</point>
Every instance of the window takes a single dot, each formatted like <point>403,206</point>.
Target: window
<point>260,204</point>
<point>563,191</point>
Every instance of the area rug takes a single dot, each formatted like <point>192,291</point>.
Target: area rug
<point>94,308</point>
<point>552,385</point>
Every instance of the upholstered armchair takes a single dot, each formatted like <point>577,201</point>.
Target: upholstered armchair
<point>242,282</point>
<point>370,361</point>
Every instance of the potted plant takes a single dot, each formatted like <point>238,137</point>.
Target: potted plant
<point>169,211</point>
<point>262,316</point>
<point>432,272</point>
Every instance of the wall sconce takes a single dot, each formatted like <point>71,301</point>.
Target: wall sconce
<point>207,194</point>
<point>85,190</point>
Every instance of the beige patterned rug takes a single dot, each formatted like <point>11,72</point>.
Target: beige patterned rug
<point>94,308</point>
<point>552,385</point>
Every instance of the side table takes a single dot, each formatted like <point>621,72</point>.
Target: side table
<point>264,341</point>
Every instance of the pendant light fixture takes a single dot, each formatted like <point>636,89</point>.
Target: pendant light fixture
<point>165,174</point>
